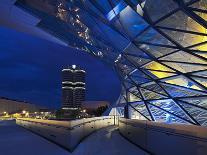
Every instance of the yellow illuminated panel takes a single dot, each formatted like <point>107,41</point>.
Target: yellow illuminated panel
<point>157,66</point>
<point>161,74</point>
<point>203,54</point>
<point>198,38</point>
<point>181,81</point>
<point>201,81</point>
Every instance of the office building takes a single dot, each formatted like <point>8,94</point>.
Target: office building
<point>73,87</point>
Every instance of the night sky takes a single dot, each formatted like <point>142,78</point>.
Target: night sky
<point>31,70</point>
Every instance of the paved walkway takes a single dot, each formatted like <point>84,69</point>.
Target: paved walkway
<point>107,141</point>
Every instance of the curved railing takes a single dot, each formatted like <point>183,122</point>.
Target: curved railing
<point>67,134</point>
<point>161,139</point>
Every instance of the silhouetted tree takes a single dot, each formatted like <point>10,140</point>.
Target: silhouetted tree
<point>100,110</point>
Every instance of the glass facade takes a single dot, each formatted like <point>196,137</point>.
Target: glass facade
<point>157,47</point>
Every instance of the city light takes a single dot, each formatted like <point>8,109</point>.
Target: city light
<point>24,112</point>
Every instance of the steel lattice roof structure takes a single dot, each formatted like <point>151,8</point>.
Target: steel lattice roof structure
<point>157,47</point>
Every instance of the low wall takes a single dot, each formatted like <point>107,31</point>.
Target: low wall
<point>165,139</point>
<point>68,134</point>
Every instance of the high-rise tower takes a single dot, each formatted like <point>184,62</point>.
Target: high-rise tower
<point>73,87</point>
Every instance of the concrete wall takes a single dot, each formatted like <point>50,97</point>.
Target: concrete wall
<point>68,134</point>
<point>165,139</point>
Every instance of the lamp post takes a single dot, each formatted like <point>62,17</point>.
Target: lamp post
<point>23,112</point>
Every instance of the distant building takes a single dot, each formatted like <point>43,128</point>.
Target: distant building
<point>13,106</point>
<point>73,87</point>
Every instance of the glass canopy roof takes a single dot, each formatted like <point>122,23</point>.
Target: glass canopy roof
<point>158,48</point>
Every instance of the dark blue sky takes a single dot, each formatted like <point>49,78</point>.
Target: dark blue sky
<point>30,70</point>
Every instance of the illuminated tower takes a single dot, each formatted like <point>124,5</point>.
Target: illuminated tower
<point>73,87</point>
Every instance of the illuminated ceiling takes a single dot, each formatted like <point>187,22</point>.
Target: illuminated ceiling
<point>157,47</point>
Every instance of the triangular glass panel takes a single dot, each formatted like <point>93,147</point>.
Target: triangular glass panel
<point>185,39</point>
<point>202,14</point>
<point>198,114</point>
<point>202,81</point>
<point>141,107</point>
<point>148,95</point>
<point>158,10</point>
<point>162,116</point>
<point>153,37</point>
<point>188,25</point>
<point>176,91</point>
<point>140,80</point>
<point>134,50</point>
<point>203,54</point>
<point>158,74</point>
<point>157,66</point>
<point>156,51</point>
<point>183,57</point>
<point>197,101</point>
<point>201,73</point>
<point>200,47</point>
<point>133,24</point>
<point>154,87</point>
<point>122,99</point>
<point>182,81</point>
<point>139,77</point>
<point>135,92</point>
<point>199,4</point>
<point>138,73</point>
<point>133,98</point>
<point>185,67</point>
<point>172,107</point>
